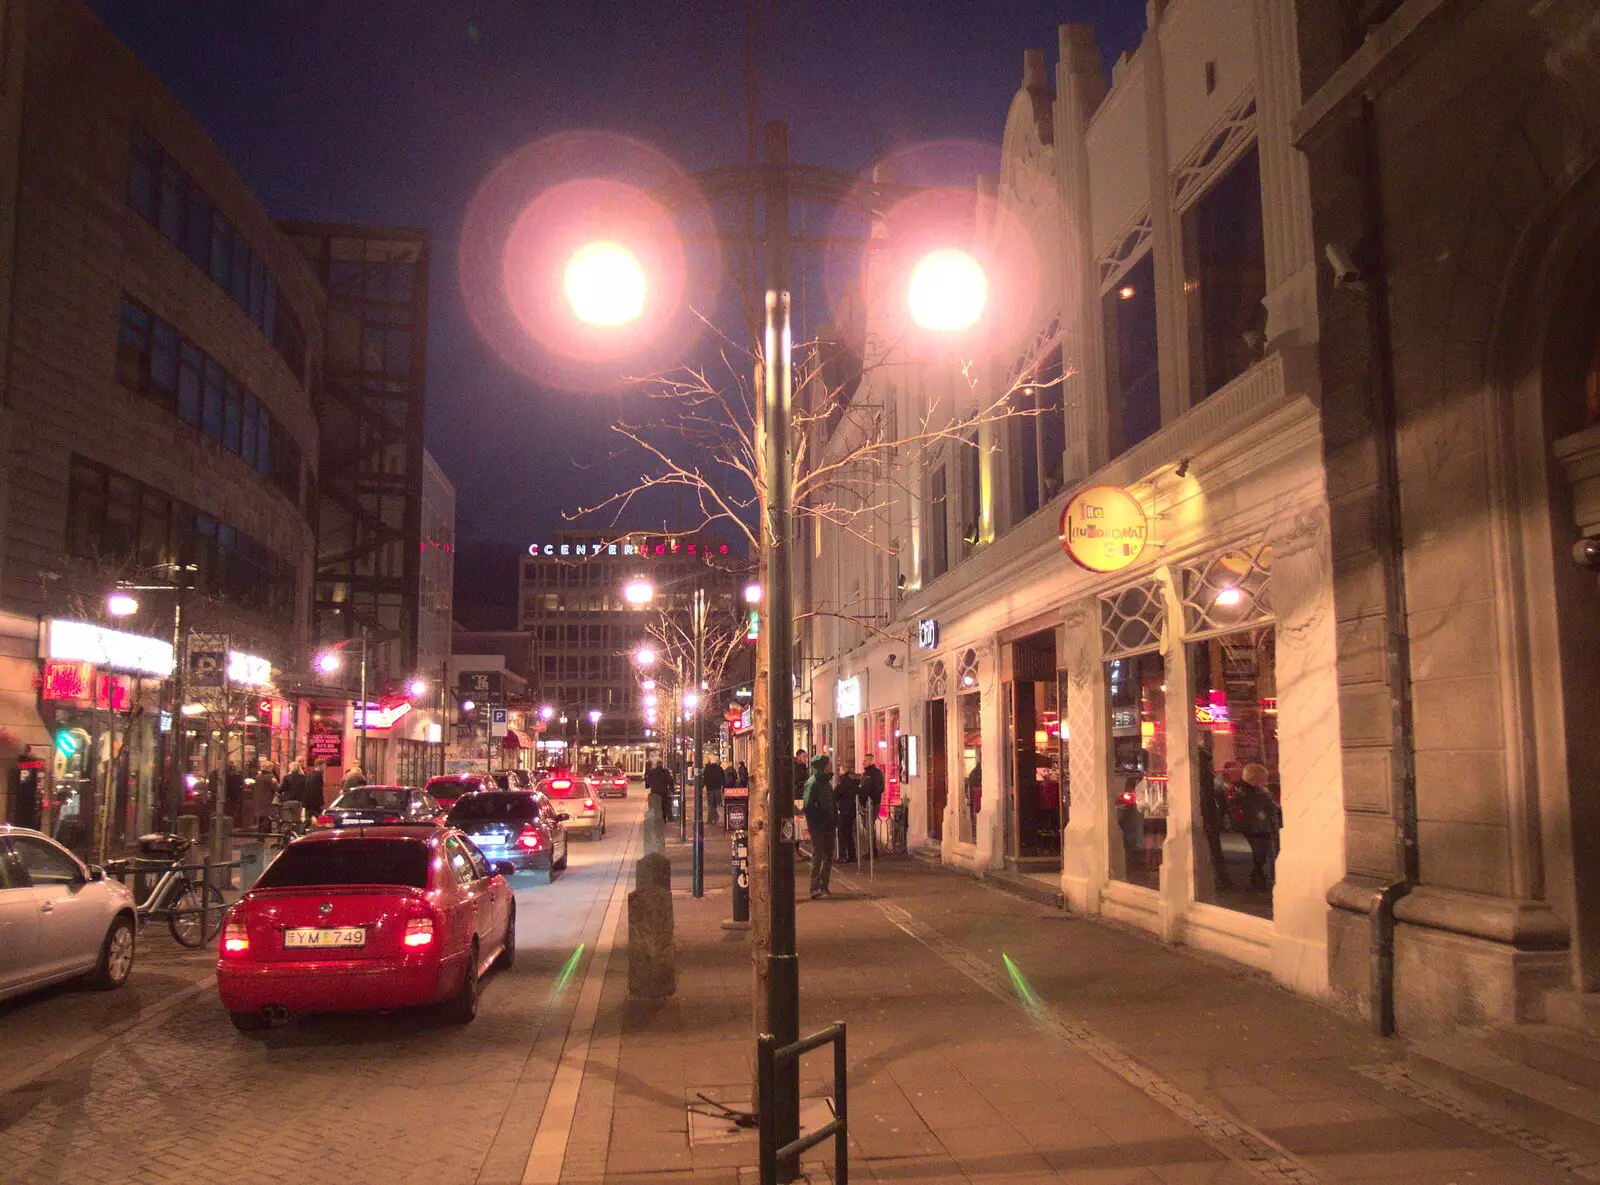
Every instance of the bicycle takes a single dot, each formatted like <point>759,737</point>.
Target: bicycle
<point>285,822</point>
<point>192,907</point>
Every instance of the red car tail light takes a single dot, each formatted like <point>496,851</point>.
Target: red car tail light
<point>561,784</point>
<point>620,782</point>
<point>419,932</point>
<point>324,820</point>
<point>588,804</point>
<point>530,838</point>
<point>235,938</point>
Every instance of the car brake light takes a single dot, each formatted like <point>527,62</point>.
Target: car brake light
<point>235,938</point>
<point>588,804</point>
<point>561,784</point>
<point>324,820</point>
<point>419,932</point>
<point>530,838</point>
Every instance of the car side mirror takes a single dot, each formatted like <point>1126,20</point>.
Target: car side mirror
<point>96,873</point>
<point>504,868</point>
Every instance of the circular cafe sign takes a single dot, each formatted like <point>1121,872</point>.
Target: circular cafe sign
<point>1103,529</point>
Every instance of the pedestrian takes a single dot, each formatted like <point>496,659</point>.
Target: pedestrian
<point>714,778</point>
<point>353,777</point>
<point>316,788</point>
<point>744,776</point>
<point>817,803</point>
<point>658,783</point>
<point>1213,809</point>
<point>872,787</point>
<point>235,806</point>
<point>845,793</point>
<point>1262,823</point>
<point>262,793</point>
<point>802,772</point>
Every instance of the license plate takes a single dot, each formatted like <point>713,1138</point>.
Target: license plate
<point>357,820</point>
<point>324,939</point>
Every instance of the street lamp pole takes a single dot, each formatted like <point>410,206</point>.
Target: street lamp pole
<point>361,758</point>
<point>777,537</point>
<point>698,879</point>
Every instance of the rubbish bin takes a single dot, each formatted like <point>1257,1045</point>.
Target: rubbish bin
<point>252,863</point>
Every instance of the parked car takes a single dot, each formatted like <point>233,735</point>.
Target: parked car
<point>367,805</point>
<point>609,781</point>
<point>512,779</point>
<point>349,921</point>
<point>446,788</point>
<point>520,827</point>
<point>576,797</point>
<point>59,919</point>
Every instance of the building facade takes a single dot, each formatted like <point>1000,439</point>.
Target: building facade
<point>585,632</point>
<point>160,434</point>
<point>1454,150</point>
<point>1156,741</point>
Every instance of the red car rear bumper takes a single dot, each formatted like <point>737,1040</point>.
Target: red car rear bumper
<point>338,985</point>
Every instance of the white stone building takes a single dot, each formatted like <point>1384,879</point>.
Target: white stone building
<point>1027,708</point>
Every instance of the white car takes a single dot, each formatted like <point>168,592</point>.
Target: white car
<point>576,801</point>
<point>59,919</point>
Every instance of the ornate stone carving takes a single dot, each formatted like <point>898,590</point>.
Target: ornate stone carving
<point>1302,590</point>
<point>1081,653</point>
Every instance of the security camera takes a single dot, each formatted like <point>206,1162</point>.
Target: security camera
<point>1586,554</point>
<point>1345,272</point>
<point>892,662</point>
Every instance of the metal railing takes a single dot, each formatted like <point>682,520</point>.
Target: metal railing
<point>769,1056</point>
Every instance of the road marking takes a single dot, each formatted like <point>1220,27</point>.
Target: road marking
<point>1238,1141</point>
<point>549,1153</point>
<point>146,1018</point>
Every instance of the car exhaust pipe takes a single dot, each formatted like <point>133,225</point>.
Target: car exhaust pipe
<point>276,1013</point>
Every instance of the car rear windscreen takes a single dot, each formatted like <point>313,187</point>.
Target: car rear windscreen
<point>565,787</point>
<point>366,798</point>
<point>451,788</point>
<point>349,862</point>
<point>495,804</point>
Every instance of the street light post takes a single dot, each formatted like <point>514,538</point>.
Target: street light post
<point>362,750</point>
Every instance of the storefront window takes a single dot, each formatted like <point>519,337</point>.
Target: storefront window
<point>1236,769</point>
<point>971,763</point>
<point>1136,691</point>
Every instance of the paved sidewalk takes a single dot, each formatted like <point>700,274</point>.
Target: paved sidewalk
<point>993,1039</point>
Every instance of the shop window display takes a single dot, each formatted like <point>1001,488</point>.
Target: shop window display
<point>967,705</point>
<point>1136,691</point>
<point>1236,769</point>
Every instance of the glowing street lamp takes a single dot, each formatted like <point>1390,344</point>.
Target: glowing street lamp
<point>329,661</point>
<point>948,291</point>
<point>604,284</point>
<point>638,593</point>
<point>645,656</point>
<point>648,685</point>
<point>545,712</point>
<point>417,688</point>
<point>121,605</point>
<point>752,594</point>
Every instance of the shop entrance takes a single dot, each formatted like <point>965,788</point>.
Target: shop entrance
<point>938,759</point>
<point>1035,728</point>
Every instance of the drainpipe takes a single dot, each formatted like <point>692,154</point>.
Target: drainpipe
<point>1385,423</point>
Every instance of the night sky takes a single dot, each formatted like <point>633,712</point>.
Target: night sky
<point>368,110</point>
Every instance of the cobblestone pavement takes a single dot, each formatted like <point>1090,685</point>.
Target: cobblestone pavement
<point>383,1098</point>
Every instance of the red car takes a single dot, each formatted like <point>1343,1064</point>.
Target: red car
<point>446,789</point>
<point>350,921</point>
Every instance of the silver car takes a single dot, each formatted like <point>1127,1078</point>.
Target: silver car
<point>59,919</point>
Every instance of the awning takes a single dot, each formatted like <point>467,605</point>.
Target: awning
<point>515,738</point>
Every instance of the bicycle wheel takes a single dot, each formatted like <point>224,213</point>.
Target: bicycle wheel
<point>194,920</point>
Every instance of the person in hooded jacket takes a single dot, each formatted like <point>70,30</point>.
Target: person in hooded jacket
<point>844,814</point>
<point>818,807</point>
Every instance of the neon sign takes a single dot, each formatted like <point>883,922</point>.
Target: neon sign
<point>599,547</point>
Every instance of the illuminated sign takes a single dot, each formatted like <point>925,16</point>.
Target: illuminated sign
<point>80,641</point>
<point>1104,529</point>
<point>847,696</point>
<point>604,547</point>
<point>247,670</point>
<point>67,681</point>
<point>927,633</point>
<point>384,715</point>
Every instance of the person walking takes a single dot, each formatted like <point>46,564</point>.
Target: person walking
<point>844,815</point>
<point>1261,826</point>
<point>743,776</point>
<point>353,777</point>
<point>818,807</point>
<point>316,789</point>
<point>262,793</point>
<point>872,787</point>
<point>714,778</point>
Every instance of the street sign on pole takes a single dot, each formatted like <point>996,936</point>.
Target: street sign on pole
<point>497,722</point>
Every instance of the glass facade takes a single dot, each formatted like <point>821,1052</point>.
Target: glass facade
<point>1136,693</point>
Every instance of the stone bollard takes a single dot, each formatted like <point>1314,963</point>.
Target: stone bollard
<point>252,863</point>
<point>652,969</point>
<point>655,835</point>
